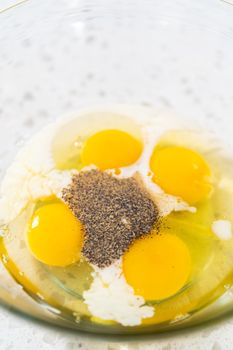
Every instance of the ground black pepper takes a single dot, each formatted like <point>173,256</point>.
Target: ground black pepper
<point>114,212</point>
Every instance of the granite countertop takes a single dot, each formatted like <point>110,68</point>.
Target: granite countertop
<point>19,333</point>
<point>53,89</point>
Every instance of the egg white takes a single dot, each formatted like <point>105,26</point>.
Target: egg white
<point>34,174</point>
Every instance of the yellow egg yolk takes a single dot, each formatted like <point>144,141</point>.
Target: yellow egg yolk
<point>109,149</point>
<point>181,172</point>
<point>157,266</point>
<point>55,236</point>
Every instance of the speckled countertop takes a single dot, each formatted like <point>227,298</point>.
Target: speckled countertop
<point>21,333</point>
<point>47,69</point>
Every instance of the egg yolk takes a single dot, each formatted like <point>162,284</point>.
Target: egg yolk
<point>55,236</point>
<point>181,172</point>
<point>109,149</point>
<point>157,266</point>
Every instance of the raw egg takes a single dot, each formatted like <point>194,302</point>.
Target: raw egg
<point>181,172</point>
<point>55,236</point>
<point>157,266</point>
<point>109,149</point>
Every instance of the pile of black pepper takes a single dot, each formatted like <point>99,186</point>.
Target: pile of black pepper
<point>114,212</point>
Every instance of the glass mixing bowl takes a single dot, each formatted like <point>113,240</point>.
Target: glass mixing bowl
<point>59,56</point>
